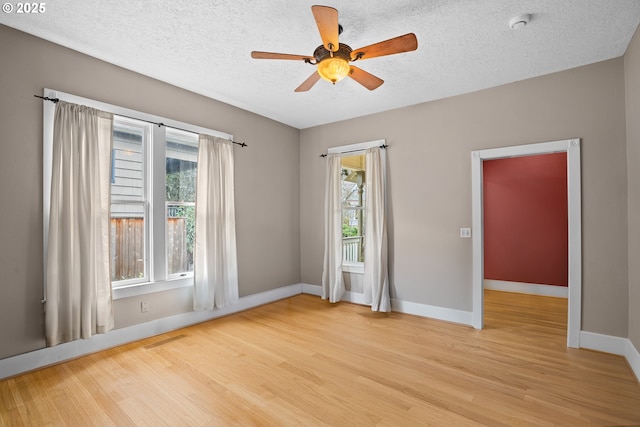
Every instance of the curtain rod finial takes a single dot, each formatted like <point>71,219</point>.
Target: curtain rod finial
<point>46,98</point>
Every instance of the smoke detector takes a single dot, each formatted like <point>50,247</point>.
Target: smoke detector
<point>519,21</point>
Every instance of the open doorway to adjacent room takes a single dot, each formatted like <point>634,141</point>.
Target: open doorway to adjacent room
<point>527,234</point>
<point>526,264</point>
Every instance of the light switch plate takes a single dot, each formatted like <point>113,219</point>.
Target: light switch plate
<point>465,232</point>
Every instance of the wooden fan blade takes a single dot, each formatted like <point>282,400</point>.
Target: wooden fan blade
<point>367,80</point>
<point>399,44</point>
<point>327,22</point>
<point>308,84</point>
<point>271,55</point>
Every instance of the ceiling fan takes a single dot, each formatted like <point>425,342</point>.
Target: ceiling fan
<point>332,58</point>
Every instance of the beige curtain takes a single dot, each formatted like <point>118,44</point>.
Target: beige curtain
<point>215,257</point>
<point>78,285</point>
<point>332,284</point>
<point>375,281</point>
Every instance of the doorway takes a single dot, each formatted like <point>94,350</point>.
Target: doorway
<point>572,149</point>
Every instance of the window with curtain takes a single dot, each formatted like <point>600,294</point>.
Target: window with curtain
<point>151,189</point>
<point>355,222</point>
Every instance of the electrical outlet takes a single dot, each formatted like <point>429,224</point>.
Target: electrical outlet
<point>465,232</point>
<point>144,306</point>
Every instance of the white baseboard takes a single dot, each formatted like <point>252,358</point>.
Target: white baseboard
<point>424,310</point>
<point>432,311</point>
<point>527,288</point>
<point>604,343</point>
<point>613,345</point>
<point>633,357</point>
<point>312,289</point>
<point>348,296</point>
<point>21,363</point>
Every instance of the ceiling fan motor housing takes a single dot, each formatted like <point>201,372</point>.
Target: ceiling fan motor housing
<point>344,52</point>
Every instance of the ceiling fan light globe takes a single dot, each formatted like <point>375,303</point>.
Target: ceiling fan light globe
<point>333,69</point>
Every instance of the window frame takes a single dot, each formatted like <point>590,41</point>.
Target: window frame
<point>157,277</point>
<point>354,150</point>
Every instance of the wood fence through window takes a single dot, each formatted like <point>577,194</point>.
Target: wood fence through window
<point>127,247</point>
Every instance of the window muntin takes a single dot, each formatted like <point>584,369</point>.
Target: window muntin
<point>353,212</point>
<point>181,161</point>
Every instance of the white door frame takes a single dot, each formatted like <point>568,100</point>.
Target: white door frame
<point>572,148</point>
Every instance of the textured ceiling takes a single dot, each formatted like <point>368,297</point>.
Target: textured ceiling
<point>463,46</point>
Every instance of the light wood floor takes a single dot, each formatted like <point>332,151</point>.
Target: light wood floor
<point>303,361</point>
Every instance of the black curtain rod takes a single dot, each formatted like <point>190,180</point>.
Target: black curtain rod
<point>383,146</point>
<point>56,100</point>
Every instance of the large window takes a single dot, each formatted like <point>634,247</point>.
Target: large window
<point>153,184</point>
<point>353,199</point>
<point>134,183</point>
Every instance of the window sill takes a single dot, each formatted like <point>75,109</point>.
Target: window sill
<point>151,287</point>
<point>351,267</point>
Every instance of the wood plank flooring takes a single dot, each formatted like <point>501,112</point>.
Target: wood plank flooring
<point>305,362</point>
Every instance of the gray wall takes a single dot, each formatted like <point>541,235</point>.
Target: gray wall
<point>267,180</point>
<point>429,169</point>
<point>632,86</point>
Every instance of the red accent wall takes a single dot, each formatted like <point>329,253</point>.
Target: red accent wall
<point>525,219</point>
